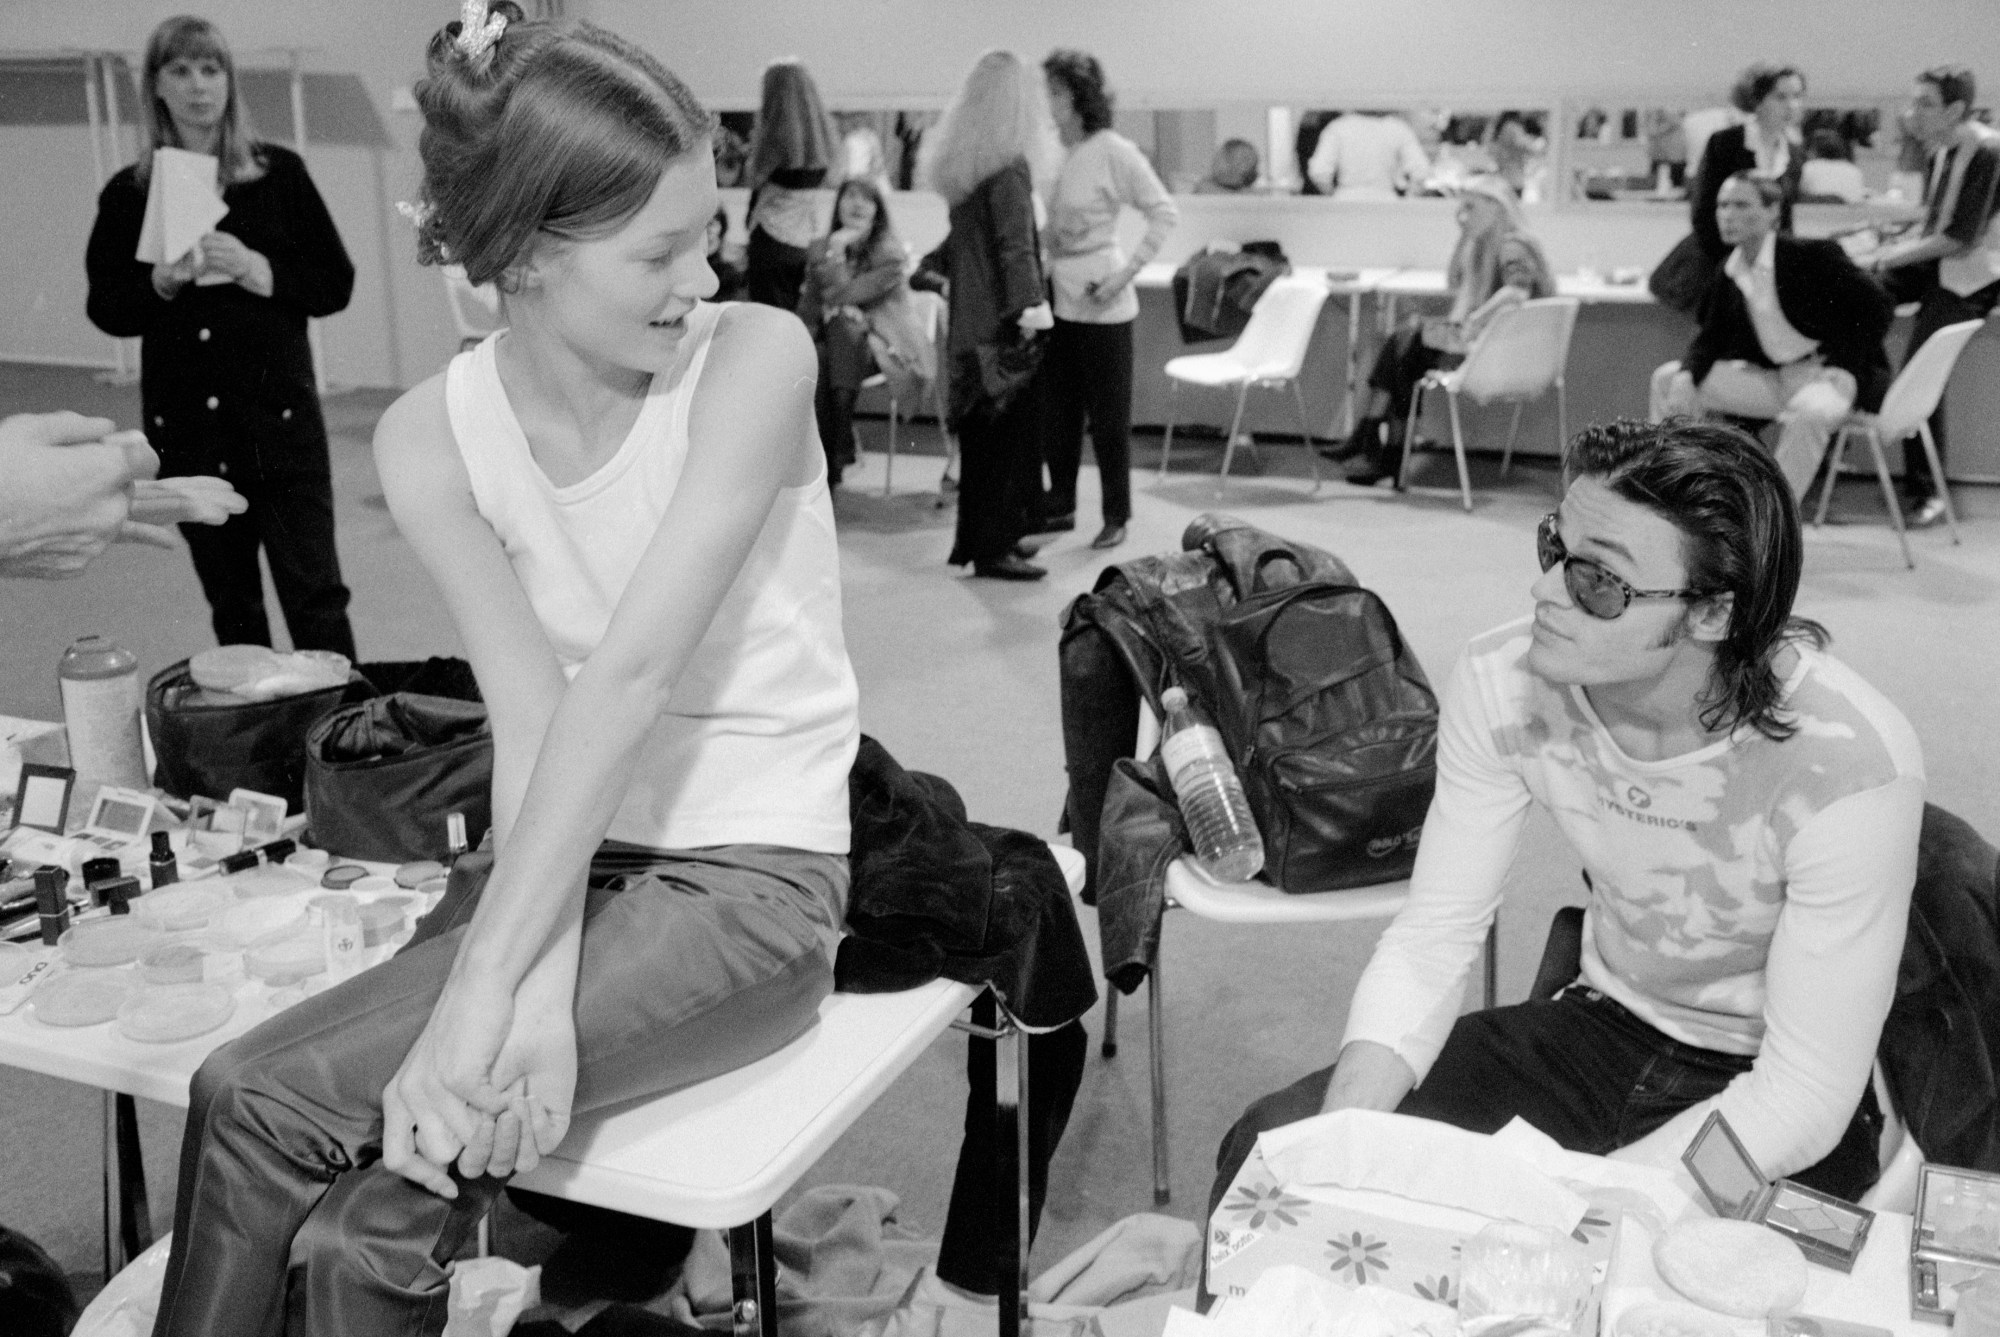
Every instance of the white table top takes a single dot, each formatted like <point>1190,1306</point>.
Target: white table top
<point>1159,274</point>
<point>1591,289</point>
<point>717,1154</point>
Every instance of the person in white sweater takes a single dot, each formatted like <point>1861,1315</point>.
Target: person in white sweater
<point>1745,809</point>
<point>1088,365</point>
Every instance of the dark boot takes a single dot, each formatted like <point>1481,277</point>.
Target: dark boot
<point>1364,439</point>
<point>1385,460</point>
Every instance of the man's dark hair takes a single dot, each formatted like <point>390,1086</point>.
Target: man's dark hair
<point>1770,190</point>
<point>1079,72</point>
<point>1756,82</point>
<point>1739,536</point>
<point>1954,83</point>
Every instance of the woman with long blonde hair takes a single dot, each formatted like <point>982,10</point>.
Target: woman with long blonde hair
<point>792,154</point>
<point>1495,264</point>
<point>985,156</point>
<point>227,383</point>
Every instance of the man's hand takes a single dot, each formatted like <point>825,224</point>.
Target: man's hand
<point>66,492</point>
<point>1369,1076</point>
<point>248,269</point>
<point>443,1097</point>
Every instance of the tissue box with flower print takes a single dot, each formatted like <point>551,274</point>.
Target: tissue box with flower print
<point>1356,1236</point>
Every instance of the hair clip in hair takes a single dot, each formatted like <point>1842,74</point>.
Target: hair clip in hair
<point>477,29</point>
<point>418,214</point>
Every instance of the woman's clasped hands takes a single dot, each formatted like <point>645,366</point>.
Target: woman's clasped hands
<point>488,1086</point>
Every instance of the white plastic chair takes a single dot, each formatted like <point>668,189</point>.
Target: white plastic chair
<point>1189,888</point>
<point>930,310</point>
<point>475,308</point>
<point>1270,352</point>
<point>1906,409</point>
<point>1519,356</point>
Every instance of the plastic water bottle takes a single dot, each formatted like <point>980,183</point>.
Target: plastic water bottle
<point>100,700</point>
<point>1226,843</point>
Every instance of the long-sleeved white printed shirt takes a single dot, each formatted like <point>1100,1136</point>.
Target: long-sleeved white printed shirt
<point>1749,897</point>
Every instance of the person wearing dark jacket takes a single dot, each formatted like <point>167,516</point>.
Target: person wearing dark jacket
<point>1789,329</point>
<point>227,383</point>
<point>1768,144</point>
<point>982,157</point>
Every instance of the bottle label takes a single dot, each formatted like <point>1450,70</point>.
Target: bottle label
<point>102,718</point>
<point>1190,745</point>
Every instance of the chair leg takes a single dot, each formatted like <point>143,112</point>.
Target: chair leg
<point>1839,453</point>
<point>1410,435</point>
<point>1229,446</point>
<point>1010,1149</point>
<point>1458,449</point>
<point>1493,962</point>
<point>1889,495</point>
<point>1156,1043</point>
<point>889,461</point>
<point>1109,1047</point>
<point>753,1275</point>
<point>1507,455</point>
<point>1312,452</point>
<point>1937,477</point>
<point>1562,417</point>
<point>1173,415</point>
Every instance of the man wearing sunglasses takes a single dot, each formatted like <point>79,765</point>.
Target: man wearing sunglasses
<point>1745,809</point>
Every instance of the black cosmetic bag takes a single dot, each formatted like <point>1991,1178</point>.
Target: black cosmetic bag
<point>208,750</point>
<point>383,776</point>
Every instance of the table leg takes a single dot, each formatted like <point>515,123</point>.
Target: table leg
<point>753,1274</point>
<point>135,1217</point>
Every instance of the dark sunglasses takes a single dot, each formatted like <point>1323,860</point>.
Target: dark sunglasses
<point>1593,586</point>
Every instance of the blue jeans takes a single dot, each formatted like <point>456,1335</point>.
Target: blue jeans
<point>1581,1068</point>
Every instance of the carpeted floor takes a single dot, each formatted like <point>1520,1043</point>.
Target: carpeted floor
<point>958,677</point>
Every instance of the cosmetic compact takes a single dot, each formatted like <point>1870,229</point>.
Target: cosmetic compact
<point>1829,1231</point>
<point>1954,1240</point>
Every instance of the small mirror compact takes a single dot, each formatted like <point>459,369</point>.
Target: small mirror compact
<point>1830,1231</point>
<point>1955,1239</point>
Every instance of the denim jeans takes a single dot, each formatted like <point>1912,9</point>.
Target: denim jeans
<point>1581,1068</point>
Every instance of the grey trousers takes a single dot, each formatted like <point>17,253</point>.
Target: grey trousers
<point>693,963</point>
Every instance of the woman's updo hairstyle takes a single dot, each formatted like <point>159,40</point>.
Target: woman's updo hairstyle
<point>557,129</point>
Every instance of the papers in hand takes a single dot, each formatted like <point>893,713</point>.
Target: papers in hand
<point>182,207</point>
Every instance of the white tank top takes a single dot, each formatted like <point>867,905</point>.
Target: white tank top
<point>759,733</point>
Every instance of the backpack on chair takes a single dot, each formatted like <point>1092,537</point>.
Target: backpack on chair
<point>1333,726</point>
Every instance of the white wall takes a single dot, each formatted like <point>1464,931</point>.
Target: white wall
<point>1170,52</point>
<point>1159,52</point>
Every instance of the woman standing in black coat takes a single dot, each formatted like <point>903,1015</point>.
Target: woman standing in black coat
<point>1767,145</point>
<point>983,157</point>
<point>227,380</point>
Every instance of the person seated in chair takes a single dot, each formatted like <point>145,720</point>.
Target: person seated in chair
<point>1789,329</point>
<point>1745,808</point>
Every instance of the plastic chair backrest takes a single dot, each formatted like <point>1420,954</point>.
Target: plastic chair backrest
<point>475,309</point>
<point>930,315</point>
<point>1521,353</point>
<point>1272,346</point>
<point>1919,386</point>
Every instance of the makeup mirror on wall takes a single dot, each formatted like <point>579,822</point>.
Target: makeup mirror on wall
<point>1616,150</point>
<point>1458,140</point>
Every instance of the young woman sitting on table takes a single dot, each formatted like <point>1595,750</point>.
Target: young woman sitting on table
<point>622,501</point>
<point>856,300</point>
<point>1497,263</point>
